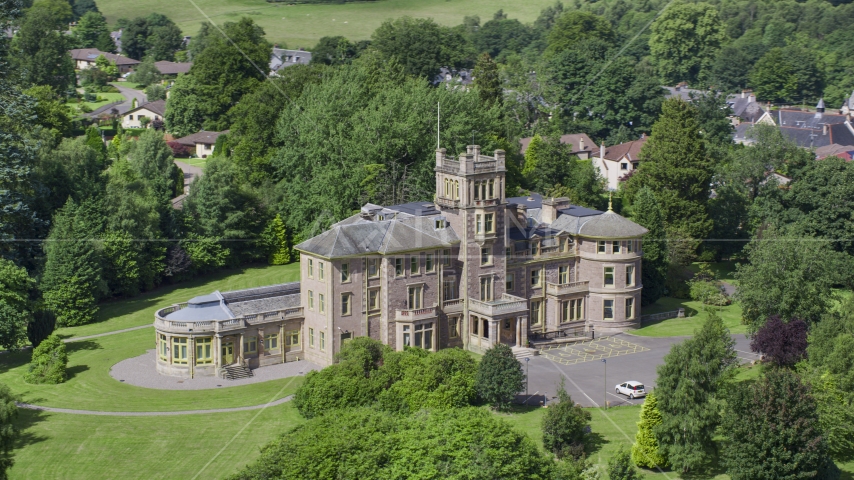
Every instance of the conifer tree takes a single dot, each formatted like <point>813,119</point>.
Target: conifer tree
<point>276,240</point>
<point>645,451</point>
<point>647,213</point>
<point>487,81</point>
<point>152,158</point>
<point>8,431</point>
<point>72,281</point>
<point>96,143</point>
<point>677,168</point>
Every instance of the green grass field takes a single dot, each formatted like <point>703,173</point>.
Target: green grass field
<point>139,310</point>
<point>303,25</point>
<point>195,162</point>
<point>108,98</point>
<point>695,313</point>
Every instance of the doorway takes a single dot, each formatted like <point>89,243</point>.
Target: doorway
<point>228,353</point>
<point>508,331</point>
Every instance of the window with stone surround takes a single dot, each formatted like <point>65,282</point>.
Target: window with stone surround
<point>536,312</point>
<point>310,268</point>
<point>250,345</point>
<point>398,267</point>
<point>415,296</point>
<point>609,277</point>
<point>446,256</point>
<point>630,275</point>
<point>457,187</point>
<point>630,308</point>
<point>424,336</point>
<point>310,300</point>
<point>454,327</point>
<point>407,336</point>
<point>478,220</point>
<point>292,338</point>
<point>429,264</point>
<point>630,246</point>
<point>600,246</point>
<point>570,310</point>
<point>475,322</point>
<point>323,341</point>
<point>608,309</point>
<point>535,277</point>
<point>179,350</point>
<point>321,301</point>
<point>413,264</point>
<point>485,289</point>
<point>491,191</point>
<point>615,246</point>
<point>346,303</point>
<point>204,351</point>
<point>320,271</point>
<point>345,272</point>
<point>373,267</point>
<point>374,299</point>
<point>311,337</point>
<point>508,282</point>
<point>489,223</point>
<point>485,257</point>
<point>271,342</point>
<point>449,291</point>
<point>563,274</point>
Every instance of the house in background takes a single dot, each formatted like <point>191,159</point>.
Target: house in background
<point>582,145</point>
<point>151,110</point>
<point>85,58</point>
<point>201,143</point>
<point>682,91</point>
<point>745,108</point>
<point>282,57</point>
<point>172,69</point>
<point>848,106</point>
<point>835,150</point>
<point>806,128</point>
<point>618,161</point>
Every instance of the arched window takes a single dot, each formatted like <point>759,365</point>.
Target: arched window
<point>477,190</point>
<point>447,189</point>
<point>457,187</point>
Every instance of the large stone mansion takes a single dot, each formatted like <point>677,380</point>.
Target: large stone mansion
<point>470,269</point>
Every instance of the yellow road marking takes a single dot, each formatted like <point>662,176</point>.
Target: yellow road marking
<point>604,347</point>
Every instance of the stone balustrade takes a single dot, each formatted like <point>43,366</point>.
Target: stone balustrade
<point>453,306</point>
<point>506,304</point>
<point>567,288</point>
<point>414,314</point>
<point>161,323</point>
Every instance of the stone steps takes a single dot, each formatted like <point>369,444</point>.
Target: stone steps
<point>521,353</point>
<point>235,372</point>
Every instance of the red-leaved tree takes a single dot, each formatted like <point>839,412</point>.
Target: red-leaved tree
<point>783,343</point>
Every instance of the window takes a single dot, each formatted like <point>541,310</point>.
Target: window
<point>630,308</point>
<point>563,275</point>
<point>448,290</point>
<point>345,303</point>
<point>508,282</point>
<point>250,345</point>
<point>608,309</point>
<point>630,275</point>
<point>310,300</point>
<point>398,267</point>
<point>485,329</point>
<point>292,338</point>
<point>535,278</point>
<point>163,347</point>
<point>536,307</point>
<point>485,289</point>
<point>373,267</point>
<point>179,350</point>
<point>413,265</point>
<point>429,265</point>
<point>439,224</point>
<point>600,246</point>
<point>615,247</point>
<point>321,303</point>
<point>407,336</point>
<point>310,268</point>
<point>447,187</point>
<point>323,340</point>
<point>424,336</point>
<point>454,327</point>
<point>484,256</point>
<point>320,266</point>
<point>204,352</point>
<point>474,324</point>
<point>345,272</point>
<point>457,187</point>
<point>624,166</point>
<point>609,276</point>
<point>446,256</point>
<point>489,224</point>
<point>477,190</point>
<point>271,342</point>
<point>577,306</point>
<point>564,311</point>
<point>491,191</point>
<point>478,223</point>
<point>373,299</point>
<point>311,337</point>
<point>483,190</point>
<point>570,310</point>
<point>414,297</point>
<point>630,246</point>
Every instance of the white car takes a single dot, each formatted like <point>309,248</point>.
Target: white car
<point>631,388</point>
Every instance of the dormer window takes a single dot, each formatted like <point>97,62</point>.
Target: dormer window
<point>440,223</point>
<point>380,218</point>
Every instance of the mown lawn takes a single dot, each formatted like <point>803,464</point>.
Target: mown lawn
<point>139,310</point>
<point>108,98</point>
<point>195,162</point>
<point>695,313</point>
<point>56,445</point>
<point>303,25</point>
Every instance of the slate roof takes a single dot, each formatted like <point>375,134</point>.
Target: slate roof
<point>358,235</point>
<point>834,149</point>
<point>283,57</point>
<point>204,137</point>
<point>746,108</point>
<point>446,75</point>
<point>573,139</point>
<point>574,219</point>
<point>172,68</point>
<point>157,106</point>
<point>237,303</point>
<point>91,54</point>
<point>682,92</point>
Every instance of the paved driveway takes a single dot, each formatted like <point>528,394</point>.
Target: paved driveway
<point>628,357</point>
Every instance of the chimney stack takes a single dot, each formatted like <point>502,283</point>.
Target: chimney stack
<point>824,129</point>
<point>602,151</point>
<point>581,143</point>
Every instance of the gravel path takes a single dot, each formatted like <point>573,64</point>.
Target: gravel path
<point>87,337</point>
<point>153,414</point>
<point>142,372</point>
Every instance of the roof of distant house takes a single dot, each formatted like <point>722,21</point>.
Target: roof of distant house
<point>628,149</point>
<point>203,137</point>
<point>172,68</point>
<point>834,150</point>
<point>91,54</point>
<point>745,106</point>
<point>283,57</point>
<point>574,139</point>
<point>446,75</point>
<point>682,91</point>
<point>157,106</point>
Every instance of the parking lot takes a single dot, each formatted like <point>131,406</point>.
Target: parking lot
<point>590,380</point>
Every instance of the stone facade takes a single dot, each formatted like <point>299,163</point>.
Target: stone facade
<point>470,269</point>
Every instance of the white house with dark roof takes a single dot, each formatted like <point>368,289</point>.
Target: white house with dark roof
<point>202,143</point>
<point>469,269</point>
<point>152,111</point>
<point>617,162</point>
<point>283,57</point>
<point>85,58</point>
<point>582,146</point>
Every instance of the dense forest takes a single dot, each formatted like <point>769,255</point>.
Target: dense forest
<point>84,220</point>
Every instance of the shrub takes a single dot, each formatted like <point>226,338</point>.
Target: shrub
<point>565,425</point>
<point>155,92</point>
<point>708,292</point>
<point>499,376</point>
<point>620,466</point>
<point>784,344</point>
<point>178,149</point>
<point>48,362</point>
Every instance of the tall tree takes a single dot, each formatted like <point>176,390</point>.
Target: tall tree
<point>784,343</point>
<point>646,451</point>
<point>8,431</point>
<point>72,280</point>
<point>677,168</point>
<point>499,376</point>
<point>16,290</point>
<point>90,29</point>
<point>693,374</point>
<point>647,213</point>
<point>155,35</point>
<point>487,81</point>
<point>574,26</point>
<point>420,45</point>
<point>789,74</point>
<point>774,419</point>
<point>788,276</point>
<point>152,159</point>
<point>565,425</point>
<point>548,162</point>
<point>684,40</point>
<point>499,37</point>
<point>41,47</point>
<point>51,112</point>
